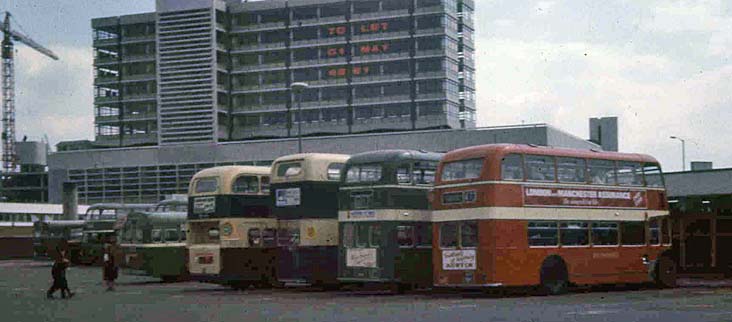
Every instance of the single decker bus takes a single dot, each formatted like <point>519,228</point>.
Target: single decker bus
<point>519,215</point>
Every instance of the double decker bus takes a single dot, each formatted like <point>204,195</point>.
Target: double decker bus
<point>305,203</point>
<point>154,244</point>
<point>518,215</point>
<point>385,219</point>
<point>100,220</point>
<point>231,237</point>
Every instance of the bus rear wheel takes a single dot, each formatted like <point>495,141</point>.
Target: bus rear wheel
<point>554,276</point>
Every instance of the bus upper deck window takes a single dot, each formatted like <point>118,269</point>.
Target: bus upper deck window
<point>460,170</point>
<point>424,172</point>
<point>171,235</point>
<point>206,185</point>
<point>402,175</point>
<point>289,169</point>
<point>157,235</point>
<point>512,167</point>
<point>630,174</point>
<point>334,171</point>
<point>652,173</point>
<point>540,167</point>
<point>602,172</point>
<point>265,184</point>
<point>448,235</point>
<point>246,184</point>
<point>571,170</point>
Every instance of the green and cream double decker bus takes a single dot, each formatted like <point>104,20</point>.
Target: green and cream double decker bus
<point>305,203</point>
<point>232,231</point>
<point>154,244</point>
<point>385,218</point>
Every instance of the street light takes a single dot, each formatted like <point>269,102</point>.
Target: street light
<point>299,88</point>
<point>683,151</point>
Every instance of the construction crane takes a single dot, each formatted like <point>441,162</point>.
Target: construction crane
<point>8,84</point>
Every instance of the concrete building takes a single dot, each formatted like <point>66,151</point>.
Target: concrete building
<point>147,174</point>
<point>201,83</point>
<point>216,71</point>
<point>604,131</point>
<point>30,183</point>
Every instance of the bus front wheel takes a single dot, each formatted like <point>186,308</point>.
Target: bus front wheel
<point>554,276</point>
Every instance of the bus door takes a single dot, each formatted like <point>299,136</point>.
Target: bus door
<point>413,253</point>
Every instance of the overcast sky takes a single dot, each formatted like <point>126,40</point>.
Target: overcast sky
<point>663,67</point>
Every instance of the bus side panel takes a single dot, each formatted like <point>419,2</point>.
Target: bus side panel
<point>414,266</point>
<point>166,261</point>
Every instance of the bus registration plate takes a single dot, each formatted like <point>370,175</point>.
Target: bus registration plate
<point>361,257</point>
<point>458,259</point>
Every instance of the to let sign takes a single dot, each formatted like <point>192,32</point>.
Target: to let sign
<point>453,260</point>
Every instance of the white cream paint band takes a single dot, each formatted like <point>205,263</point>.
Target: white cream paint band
<point>385,215</point>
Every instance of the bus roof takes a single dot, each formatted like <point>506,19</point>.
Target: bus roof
<point>499,150</point>
<point>393,156</point>
<point>63,223</point>
<point>227,175</point>
<point>314,166</point>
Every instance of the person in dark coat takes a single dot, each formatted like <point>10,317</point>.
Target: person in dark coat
<point>109,268</point>
<point>58,272</point>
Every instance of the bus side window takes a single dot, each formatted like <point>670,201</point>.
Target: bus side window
<point>269,237</point>
<point>633,233</point>
<point>630,174</point>
<point>540,168</point>
<point>264,184</point>
<point>512,167</point>
<point>424,235</point>
<point>334,171</point>
<point>543,234</point>
<point>254,237</point>
<point>405,236</point>
<point>246,184</point>
<point>348,236</point>
<point>571,170</point>
<point>666,231</point>
<point>605,233</point>
<point>376,238</point>
<point>402,175</point>
<point>156,236</point>
<point>424,172</point>
<point>652,174</point>
<point>171,235</point>
<point>448,235</point>
<point>362,235</point>
<point>654,232</point>
<point>574,234</point>
<point>469,234</point>
<point>602,172</point>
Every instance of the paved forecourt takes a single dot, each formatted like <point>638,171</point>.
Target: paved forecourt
<point>23,285</point>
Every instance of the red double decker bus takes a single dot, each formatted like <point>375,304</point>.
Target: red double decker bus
<point>520,215</point>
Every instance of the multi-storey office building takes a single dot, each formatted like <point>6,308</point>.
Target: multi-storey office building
<point>214,71</point>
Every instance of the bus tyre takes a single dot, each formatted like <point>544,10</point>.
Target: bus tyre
<point>554,276</point>
<point>665,272</point>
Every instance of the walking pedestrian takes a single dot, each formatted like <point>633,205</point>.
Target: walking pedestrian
<point>109,267</point>
<point>58,272</point>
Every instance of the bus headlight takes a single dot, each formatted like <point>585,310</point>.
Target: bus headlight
<point>645,260</point>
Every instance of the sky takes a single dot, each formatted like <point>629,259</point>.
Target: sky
<point>662,66</point>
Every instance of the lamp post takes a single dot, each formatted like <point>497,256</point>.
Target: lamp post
<point>683,151</point>
<point>299,88</point>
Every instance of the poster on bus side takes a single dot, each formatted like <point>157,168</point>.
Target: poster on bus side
<point>288,197</point>
<point>361,257</point>
<point>463,259</point>
<point>585,198</point>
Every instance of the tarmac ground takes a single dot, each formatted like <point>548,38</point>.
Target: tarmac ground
<point>23,284</point>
